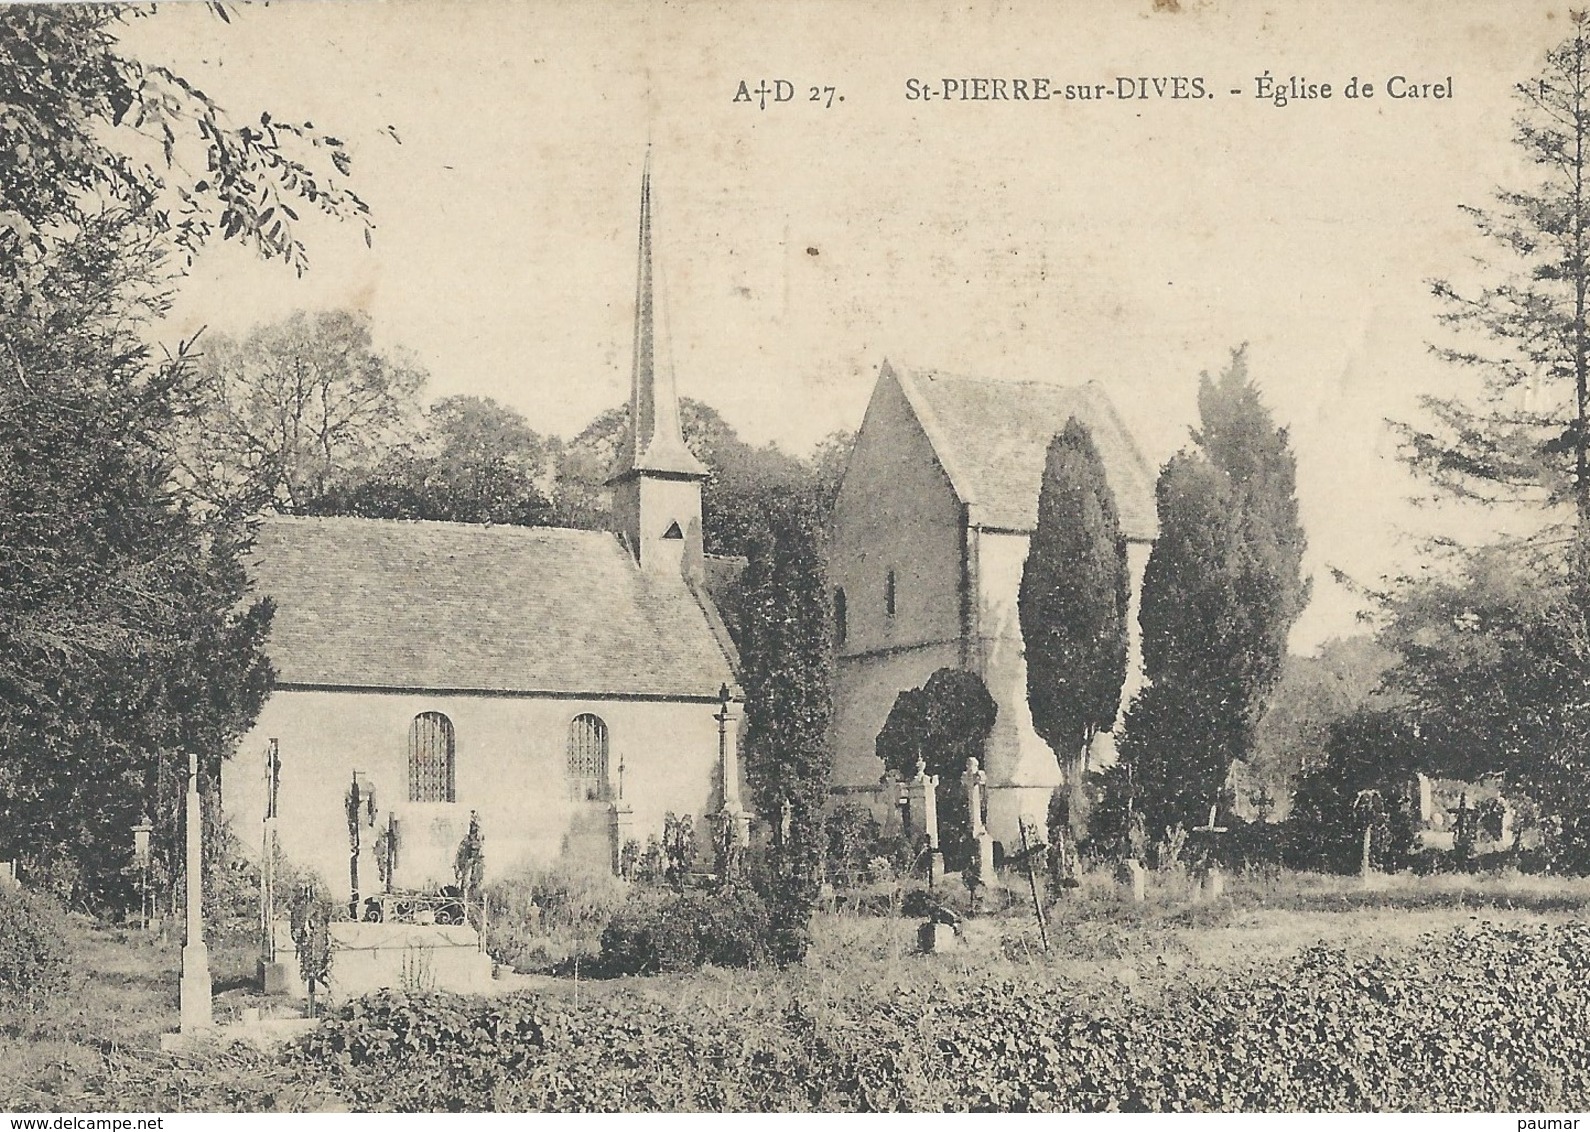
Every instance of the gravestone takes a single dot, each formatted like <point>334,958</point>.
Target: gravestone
<point>922,798</point>
<point>732,835</point>
<point>976,780</point>
<point>1212,884</point>
<point>1134,879</point>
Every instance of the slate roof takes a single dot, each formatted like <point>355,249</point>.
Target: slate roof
<point>374,603</point>
<point>991,438</point>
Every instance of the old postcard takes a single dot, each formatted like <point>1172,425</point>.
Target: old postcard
<point>806,556</point>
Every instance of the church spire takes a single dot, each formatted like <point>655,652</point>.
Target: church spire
<point>657,489</point>
<point>657,443</point>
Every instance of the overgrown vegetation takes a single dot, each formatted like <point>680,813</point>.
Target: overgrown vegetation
<point>786,653</point>
<point>34,947</point>
<point>1450,1025</point>
<point>682,931</point>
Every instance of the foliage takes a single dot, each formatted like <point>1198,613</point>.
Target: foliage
<point>1370,762</point>
<point>310,915</point>
<point>853,836</point>
<point>124,636</point>
<point>727,927</point>
<point>283,416</point>
<point>469,862</point>
<point>474,461</point>
<point>941,725</point>
<point>1457,1022</point>
<point>1220,593</point>
<point>786,659</point>
<point>34,947</point>
<point>679,849</point>
<point>89,130</point>
<point>1313,693</point>
<point>1072,602</point>
<point>1495,672</point>
<point>741,475</point>
<point>544,916</point>
<point>1526,333</point>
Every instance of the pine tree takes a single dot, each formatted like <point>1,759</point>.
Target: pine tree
<point>786,655</point>
<point>1526,333</point>
<point>1073,605</point>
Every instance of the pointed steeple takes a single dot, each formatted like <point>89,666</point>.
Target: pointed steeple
<point>657,487</point>
<point>657,443</point>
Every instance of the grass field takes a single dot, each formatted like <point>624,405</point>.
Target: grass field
<point>96,1047</point>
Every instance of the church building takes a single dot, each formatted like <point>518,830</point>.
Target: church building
<point>930,534</point>
<point>562,684</point>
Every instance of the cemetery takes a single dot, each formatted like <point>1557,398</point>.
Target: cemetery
<point>1002,748</point>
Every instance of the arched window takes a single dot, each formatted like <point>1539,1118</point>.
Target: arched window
<point>840,628</point>
<point>431,758</point>
<point>587,765</point>
<point>888,593</point>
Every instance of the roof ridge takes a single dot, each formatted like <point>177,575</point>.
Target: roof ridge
<point>927,420</point>
<point>446,524</point>
<point>1091,384</point>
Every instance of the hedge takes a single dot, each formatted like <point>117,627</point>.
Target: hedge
<point>1486,1018</point>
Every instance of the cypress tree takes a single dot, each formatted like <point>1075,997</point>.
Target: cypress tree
<point>1222,589</point>
<point>1073,605</point>
<point>786,655</point>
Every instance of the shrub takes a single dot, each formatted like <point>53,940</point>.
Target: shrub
<point>683,931</point>
<point>853,834</point>
<point>679,849</point>
<point>34,946</point>
<point>1486,1018</point>
<point>543,916</point>
<point>1370,756</point>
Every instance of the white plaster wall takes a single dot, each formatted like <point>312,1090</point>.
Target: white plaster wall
<point>896,510</point>
<point>1021,767</point>
<point>509,765</point>
<point>866,690</point>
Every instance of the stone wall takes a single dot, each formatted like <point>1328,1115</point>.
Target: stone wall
<point>510,766</point>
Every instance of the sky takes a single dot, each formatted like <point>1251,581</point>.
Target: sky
<point>1129,242</point>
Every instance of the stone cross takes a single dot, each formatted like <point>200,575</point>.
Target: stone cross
<point>734,823</point>
<point>975,779</point>
<point>195,986</point>
<point>923,793</point>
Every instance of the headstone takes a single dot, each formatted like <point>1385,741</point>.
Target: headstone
<point>733,833</point>
<point>976,780</point>
<point>1212,884</point>
<point>620,824</point>
<point>922,793</point>
<point>1134,879</point>
<point>935,935</point>
<point>1426,797</point>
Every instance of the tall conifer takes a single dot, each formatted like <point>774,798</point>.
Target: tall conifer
<point>1222,589</point>
<point>786,655</point>
<point>1073,605</point>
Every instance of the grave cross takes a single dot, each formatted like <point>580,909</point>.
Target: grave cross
<point>1212,879</point>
